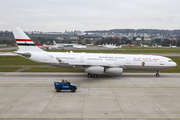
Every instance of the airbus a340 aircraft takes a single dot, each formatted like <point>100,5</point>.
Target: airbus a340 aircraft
<point>93,63</point>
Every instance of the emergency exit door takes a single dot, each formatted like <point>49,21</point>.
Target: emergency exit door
<point>82,59</point>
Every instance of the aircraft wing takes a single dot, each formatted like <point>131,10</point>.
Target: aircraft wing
<point>25,54</point>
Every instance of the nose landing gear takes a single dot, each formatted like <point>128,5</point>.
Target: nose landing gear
<point>157,74</point>
<point>89,75</point>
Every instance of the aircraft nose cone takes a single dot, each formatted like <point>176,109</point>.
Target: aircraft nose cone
<point>175,64</point>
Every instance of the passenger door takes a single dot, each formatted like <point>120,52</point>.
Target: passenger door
<point>161,61</point>
<point>45,57</point>
<point>128,60</point>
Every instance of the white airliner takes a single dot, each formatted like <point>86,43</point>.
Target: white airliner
<point>158,46</point>
<point>78,46</point>
<point>48,46</point>
<point>172,46</point>
<point>144,45</point>
<point>93,63</point>
<point>110,46</point>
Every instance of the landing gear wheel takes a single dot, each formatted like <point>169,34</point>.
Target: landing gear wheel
<point>89,75</point>
<point>95,75</point>
<point>58,90</point>
<point>157,74</point>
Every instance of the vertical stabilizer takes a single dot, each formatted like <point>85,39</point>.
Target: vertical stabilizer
<point>38,44</point>
<point>23,41</point>
<point>55,44</point>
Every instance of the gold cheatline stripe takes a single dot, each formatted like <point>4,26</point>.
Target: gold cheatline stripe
<point>102,117</point>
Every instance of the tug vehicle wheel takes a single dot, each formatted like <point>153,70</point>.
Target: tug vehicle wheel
<point>58,90</point>
<point>73,89</point>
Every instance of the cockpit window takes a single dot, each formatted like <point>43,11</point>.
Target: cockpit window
<point>169,60</point>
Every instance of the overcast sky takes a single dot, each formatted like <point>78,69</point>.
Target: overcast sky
<point>61,15</point>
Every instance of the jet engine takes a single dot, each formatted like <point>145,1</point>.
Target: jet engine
<point>116,71</point>
<point>95,70</point>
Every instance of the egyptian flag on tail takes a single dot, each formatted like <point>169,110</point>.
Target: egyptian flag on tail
<point>22,38</point>
<point>23,41</point>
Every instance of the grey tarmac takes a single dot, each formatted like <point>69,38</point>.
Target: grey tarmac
<point>130,96</point>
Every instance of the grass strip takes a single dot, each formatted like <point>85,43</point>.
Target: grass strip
<point>9,69</point>
<point>17,61</point>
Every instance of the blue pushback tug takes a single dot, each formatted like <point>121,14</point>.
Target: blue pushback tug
<point>64,85</point>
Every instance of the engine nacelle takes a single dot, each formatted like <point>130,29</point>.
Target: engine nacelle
<point>95,70</point>
<point>116,71</point>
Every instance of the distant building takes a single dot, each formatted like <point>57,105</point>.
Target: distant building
<point>3,45</point>
<point>73,38</point>
<point>138,38</point>
<point>157,40</point>
<point>147,39</point>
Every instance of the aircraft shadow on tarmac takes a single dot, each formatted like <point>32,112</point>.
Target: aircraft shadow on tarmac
<point>127,75</point>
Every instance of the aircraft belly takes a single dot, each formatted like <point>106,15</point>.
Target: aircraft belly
<point>131,67</point>
<point>62,65</point>
<point>141,68</point>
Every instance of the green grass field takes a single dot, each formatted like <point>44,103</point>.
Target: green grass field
<point>9,69</point>
<point>17,61</point>
<point>7,50</point>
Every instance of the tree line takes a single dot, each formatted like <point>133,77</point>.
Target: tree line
<point>148,31</point>
<point>124,40</point>
<point>111,40</point>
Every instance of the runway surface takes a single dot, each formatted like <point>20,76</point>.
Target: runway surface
<point>132,95</point>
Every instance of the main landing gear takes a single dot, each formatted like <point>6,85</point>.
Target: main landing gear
<point>89,75</point>
<point>157,74</point>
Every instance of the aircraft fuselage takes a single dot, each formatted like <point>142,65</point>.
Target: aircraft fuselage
<point>125,61</point>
